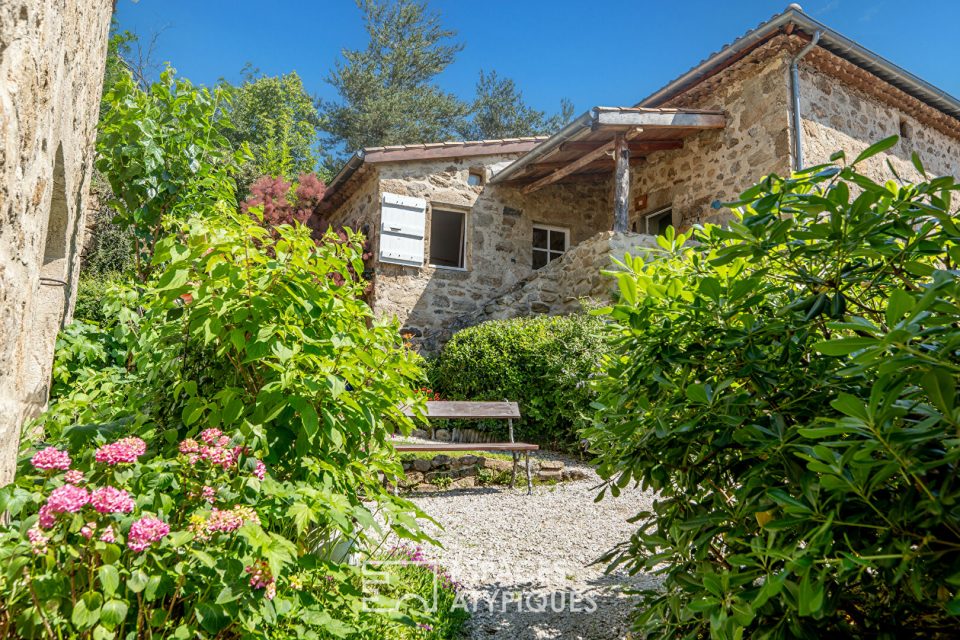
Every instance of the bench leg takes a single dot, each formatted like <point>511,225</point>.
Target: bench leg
<point>526,455</point>
<point>513,476</point>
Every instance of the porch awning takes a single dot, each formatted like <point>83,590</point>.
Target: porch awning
<point>586,145</point>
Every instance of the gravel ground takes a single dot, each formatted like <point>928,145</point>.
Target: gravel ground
<point>504,546</point>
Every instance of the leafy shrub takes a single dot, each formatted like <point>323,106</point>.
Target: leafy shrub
<point>543,363</point>
<point>92,296</point>
<point>232,331</point>
<point>788,387</point>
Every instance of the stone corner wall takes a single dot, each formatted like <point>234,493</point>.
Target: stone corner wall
<point>567,285</point>
<point>52,56</point>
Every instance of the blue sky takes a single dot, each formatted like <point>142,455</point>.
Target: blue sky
<point>602,52</point>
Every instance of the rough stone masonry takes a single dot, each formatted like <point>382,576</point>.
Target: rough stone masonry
<point>52,55</point>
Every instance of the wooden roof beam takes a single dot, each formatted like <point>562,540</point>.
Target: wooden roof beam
<point>572,167</point>
<point>660,119</point>
<point>637,147</point>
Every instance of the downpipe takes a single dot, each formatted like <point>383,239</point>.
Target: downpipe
<point>795,98</point>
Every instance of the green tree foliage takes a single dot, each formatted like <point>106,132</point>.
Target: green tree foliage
<point>233,414</point>
<point>499,111</point>
<point>278,120</point>
<point>541,362</point>
<point>164,153</point>
<point>387,91</point>
<point>788,387</point>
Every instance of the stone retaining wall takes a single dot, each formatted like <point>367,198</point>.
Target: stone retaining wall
<point>565,286</point>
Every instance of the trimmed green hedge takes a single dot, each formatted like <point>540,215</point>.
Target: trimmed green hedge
<point>542,362</point>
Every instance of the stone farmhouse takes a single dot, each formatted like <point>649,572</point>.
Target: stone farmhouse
<point>467,231</point>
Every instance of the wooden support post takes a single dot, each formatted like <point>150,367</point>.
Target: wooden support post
<point>621,200</point>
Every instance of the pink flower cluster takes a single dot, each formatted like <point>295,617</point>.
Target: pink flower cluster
<point>38,541</point>
<point>261,470</point>
<point>125,450</point>
<point>107,535</point>
<point>260,578</point>
<point>74,476</point>
<point>51,458</point>
<point>65,499</point>
<point>111,500</point>
<point>223,521</point>
<point>215,449</point>
<point>145,531</point>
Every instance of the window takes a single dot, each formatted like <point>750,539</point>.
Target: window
<point>656,222</point>
<point>475,178</point>
<point>448,239</point>
<point>549,243</point>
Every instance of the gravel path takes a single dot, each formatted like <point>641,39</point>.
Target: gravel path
<point>504,546</point>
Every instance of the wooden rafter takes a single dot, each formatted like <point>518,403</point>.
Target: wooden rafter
<point>572,167</point>
<point>637,147</point>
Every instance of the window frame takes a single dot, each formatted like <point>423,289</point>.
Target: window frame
<point>463,237</point>
<point>479,174</point>
<point>549,229</point>
<point>662,211</point>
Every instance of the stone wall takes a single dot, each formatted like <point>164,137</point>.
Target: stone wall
<point>568,285</point>
<point>52,55</point>
<point>499,237</point>
<point>719,164</point>
<point>839,116</point>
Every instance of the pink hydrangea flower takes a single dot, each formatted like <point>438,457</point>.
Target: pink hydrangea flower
<point>47,518</point>
<point>65,499</point>
<point>51,458</point>
<point>38,541</point>
<point>125,450</point>
<point>261,578</point>
<point>224,521</point>
<point>87,530</point>
<point>210,436</point>
<point>145,531</point>
<point>261,470</point>
<point>189,446</point>
<point>111,500</point>
<point>209,494</point>
<point>107,535</point>
<point>74,476</point>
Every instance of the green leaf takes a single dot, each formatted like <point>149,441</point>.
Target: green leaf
<point>697,393</point>
<point>875,148</point>
<point>137,581</point>
<point>941,387</point>
<point>213,618</point>
<point>109,578</point>
<point>113,613</point>
<point>899,304</point>
<point>86,612</point>
<point>844,346</point>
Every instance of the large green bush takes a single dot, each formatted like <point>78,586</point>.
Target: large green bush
<point>788,387</point>
<point>542,362</point>
<point>211,465</point>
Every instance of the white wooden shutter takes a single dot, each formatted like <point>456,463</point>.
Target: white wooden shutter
<point>402,229</point>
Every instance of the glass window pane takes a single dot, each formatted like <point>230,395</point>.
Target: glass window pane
<point>539,238</point>
<point>558,241</point>
<point>539,259</point>
<point>554,255</point>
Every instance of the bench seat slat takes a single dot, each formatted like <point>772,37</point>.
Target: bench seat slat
<point>469,446</point>
<point>469,410</point>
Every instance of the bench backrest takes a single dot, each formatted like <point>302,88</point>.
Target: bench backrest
<point>439,409</point>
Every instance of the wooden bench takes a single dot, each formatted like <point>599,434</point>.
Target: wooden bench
<point>449,410</point>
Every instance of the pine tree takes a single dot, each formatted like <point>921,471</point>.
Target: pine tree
<point>500,112</point>
<point>387,91</point>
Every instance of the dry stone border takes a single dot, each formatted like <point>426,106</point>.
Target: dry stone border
<point>504,546</point>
